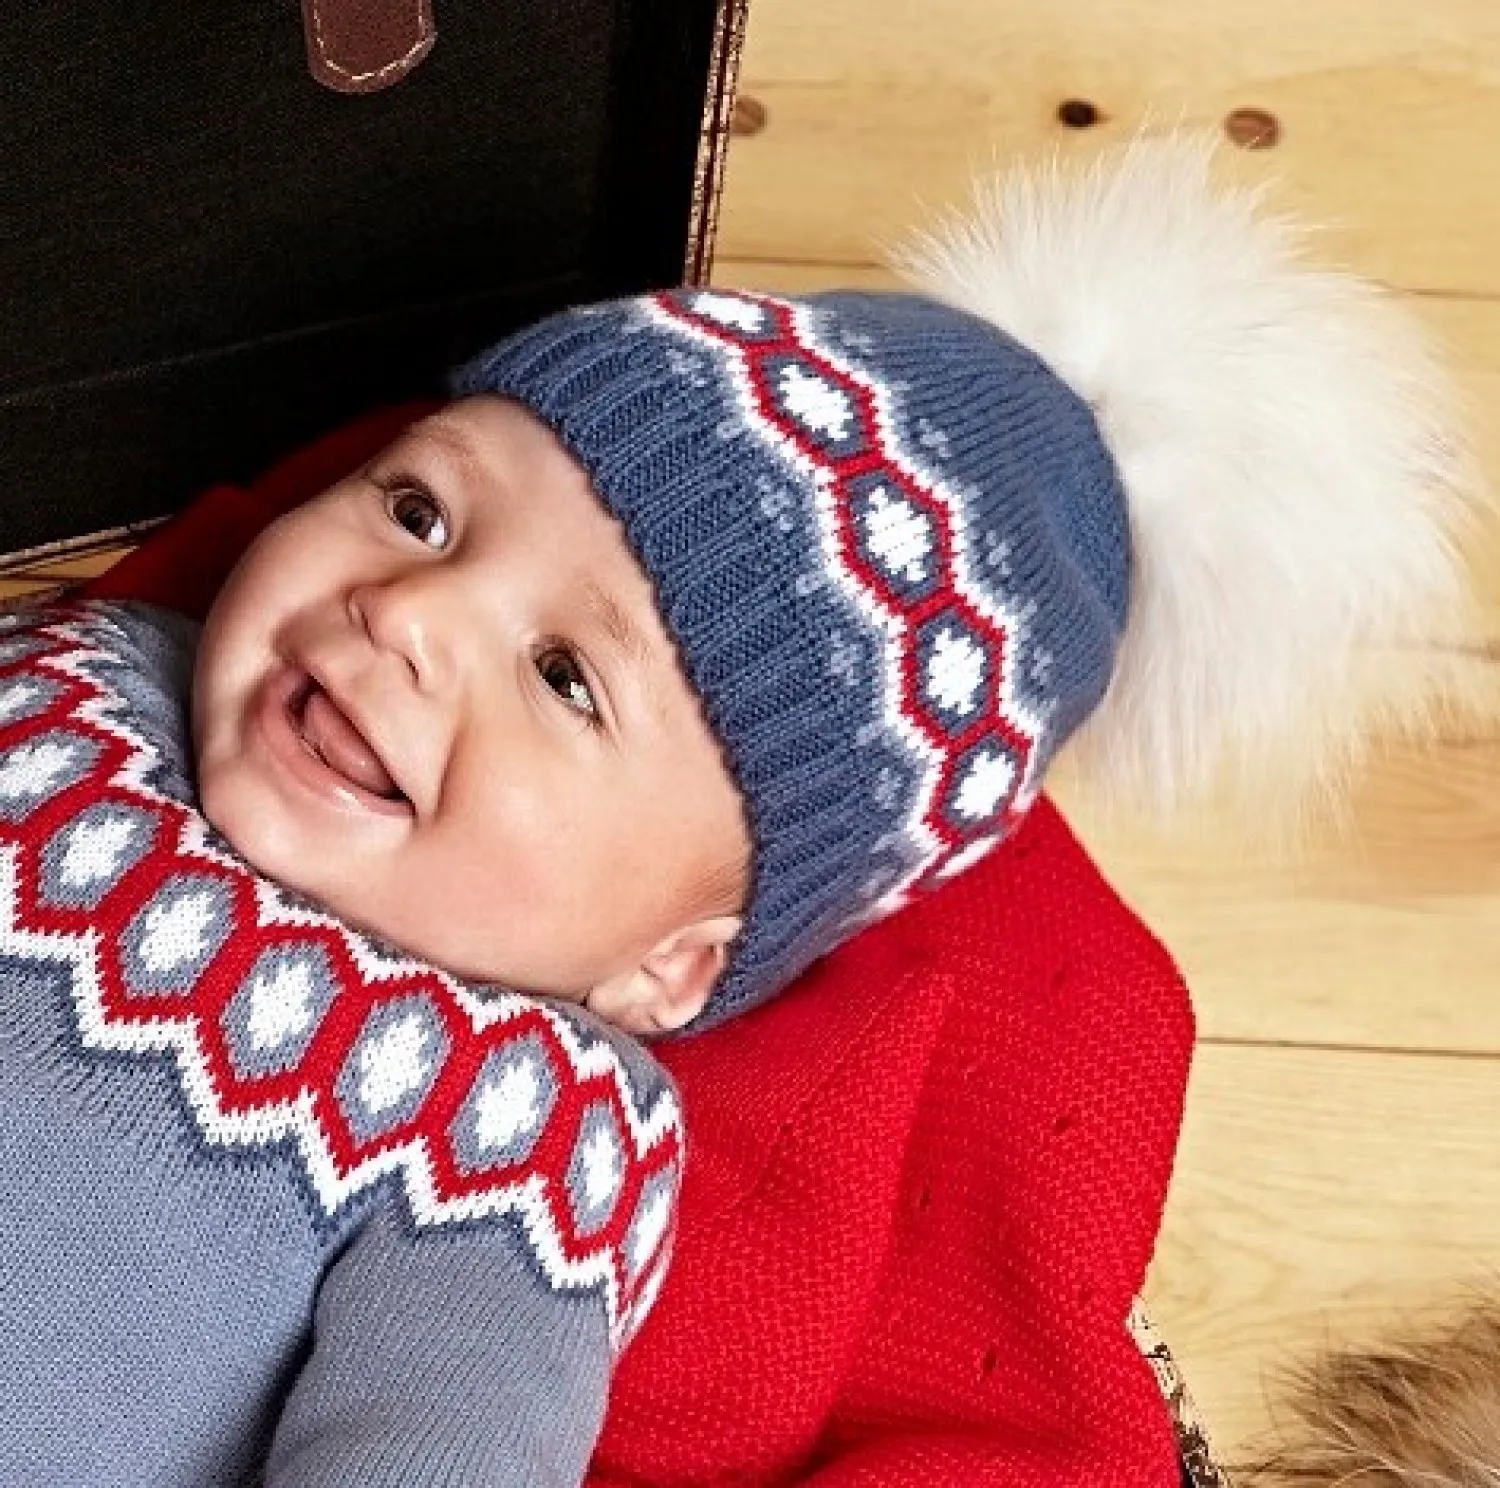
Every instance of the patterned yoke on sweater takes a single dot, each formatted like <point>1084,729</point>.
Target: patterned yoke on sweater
<point>281,1205</point>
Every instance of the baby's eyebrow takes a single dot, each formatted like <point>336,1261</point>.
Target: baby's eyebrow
<point>616,622</point>
<point>454,446</point>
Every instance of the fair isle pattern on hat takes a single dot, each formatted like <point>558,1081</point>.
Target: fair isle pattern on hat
<point>896,542</point>
<point>285,1029</point>
<point>892,550</point>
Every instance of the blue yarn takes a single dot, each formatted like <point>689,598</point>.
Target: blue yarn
<point>655,399</point>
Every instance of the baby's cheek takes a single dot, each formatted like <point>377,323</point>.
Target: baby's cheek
<point>292,559</point>
<point>532,869</point>
<point>484,881</point>
<point>557,906</point>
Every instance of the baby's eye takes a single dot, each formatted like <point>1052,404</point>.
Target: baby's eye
<point>559,669</point>
<point>416,511</point>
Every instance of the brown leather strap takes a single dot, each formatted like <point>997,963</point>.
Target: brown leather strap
<point>361,46</point>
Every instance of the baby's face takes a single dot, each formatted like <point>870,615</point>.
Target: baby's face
<point>439,700</point>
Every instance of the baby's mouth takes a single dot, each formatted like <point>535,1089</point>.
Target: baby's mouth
<point>327,734</point>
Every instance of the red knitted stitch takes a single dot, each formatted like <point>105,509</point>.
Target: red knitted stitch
<point>926,1274</point>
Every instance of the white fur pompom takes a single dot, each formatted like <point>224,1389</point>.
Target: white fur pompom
<point>1289,448</point>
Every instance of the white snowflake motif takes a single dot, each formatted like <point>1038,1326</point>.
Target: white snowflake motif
<point>280,1005</point>
<point>95,850</point>
<point>394,1066</point>
<point>650,1226</point>
<point>728,311</point>
<point>33,769</point>
<point>933,438</point>
<point>818,405</point>
<point>601,1167</point>
<point>15,697</point>
<point>508,1107</point>
<point>898,536</point>
<point>843,659</point>
<point>176,932</point>
<point>998,553</point>
<point>955,672</point>
<point>984,786</point>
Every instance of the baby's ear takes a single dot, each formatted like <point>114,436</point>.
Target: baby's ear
<point>671,985</point>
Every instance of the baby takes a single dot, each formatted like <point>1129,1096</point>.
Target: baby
<point>700,631</point>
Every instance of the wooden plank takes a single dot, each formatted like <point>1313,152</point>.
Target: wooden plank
<point>79,566</point>
<point>29,580</point>
<point>1319,1194</point>
<point>1388,939</point>
<point>13,589</point>
<point>799,276</point>
<point>1388,112</point>
<point>80,556</point>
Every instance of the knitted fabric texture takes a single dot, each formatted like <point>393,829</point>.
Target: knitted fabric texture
<point>230,1110</point>
<point>923,1278</point>
<point>920,1278</point>
<point>893,551</point>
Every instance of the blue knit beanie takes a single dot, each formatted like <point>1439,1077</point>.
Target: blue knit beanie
<point>894,550</point>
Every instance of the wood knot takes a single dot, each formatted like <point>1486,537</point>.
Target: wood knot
<point>1078,113</point>
<point>1253,129</point>
<point>748,116</point>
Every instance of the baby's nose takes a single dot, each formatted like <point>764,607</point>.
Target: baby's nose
<point>406,618</point>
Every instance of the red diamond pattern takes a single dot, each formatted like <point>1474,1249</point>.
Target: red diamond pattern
<point>782,337</point>
<point>299,1104</point>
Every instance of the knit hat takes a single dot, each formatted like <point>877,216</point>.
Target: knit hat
<point>1124,462</point>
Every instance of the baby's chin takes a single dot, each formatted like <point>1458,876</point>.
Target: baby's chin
<point>279,846</point>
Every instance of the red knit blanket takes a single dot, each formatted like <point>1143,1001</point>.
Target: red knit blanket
<point>922,1186</point>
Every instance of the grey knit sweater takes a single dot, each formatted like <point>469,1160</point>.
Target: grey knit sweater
<point>277,1205</point>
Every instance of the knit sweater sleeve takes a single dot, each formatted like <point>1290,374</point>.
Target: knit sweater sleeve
<point>439,1360</point>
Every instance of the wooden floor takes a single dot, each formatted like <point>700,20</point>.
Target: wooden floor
<point>1341,1158</point>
